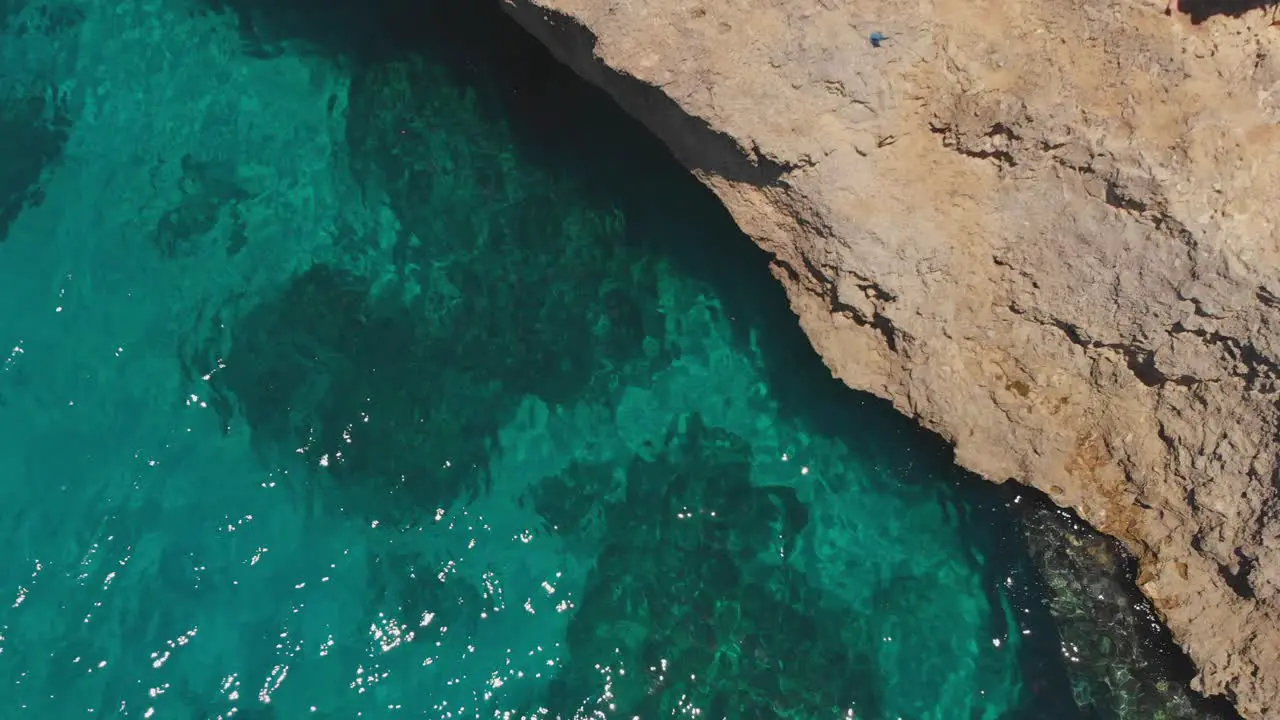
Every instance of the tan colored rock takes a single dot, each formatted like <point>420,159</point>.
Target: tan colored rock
<point>1046,230</point>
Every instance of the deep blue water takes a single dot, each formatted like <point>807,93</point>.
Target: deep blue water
<point>359,361</point>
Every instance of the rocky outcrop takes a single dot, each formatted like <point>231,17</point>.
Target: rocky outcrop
<point>1048,231</point>
<point>1119,662</point>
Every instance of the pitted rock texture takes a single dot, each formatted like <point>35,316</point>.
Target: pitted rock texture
<point>1048,231</point>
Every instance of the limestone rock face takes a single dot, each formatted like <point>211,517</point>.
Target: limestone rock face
<point>1049,231</point>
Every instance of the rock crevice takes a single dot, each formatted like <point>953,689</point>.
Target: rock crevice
<point>1050,233</point>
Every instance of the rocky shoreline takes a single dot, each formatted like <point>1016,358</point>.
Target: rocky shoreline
<point>1120,662</point>
<point>1047,232</point>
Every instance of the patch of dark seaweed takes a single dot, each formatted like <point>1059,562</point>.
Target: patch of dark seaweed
<point>33,132</point>
<point>680,612</point>
<point>209,194</point>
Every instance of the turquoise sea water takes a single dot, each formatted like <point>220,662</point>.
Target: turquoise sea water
<point>362,362</point>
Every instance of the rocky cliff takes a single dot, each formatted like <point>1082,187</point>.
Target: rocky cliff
<point>1048,231</point>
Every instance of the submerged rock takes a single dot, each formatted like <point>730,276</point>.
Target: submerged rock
<point>1121,662</point>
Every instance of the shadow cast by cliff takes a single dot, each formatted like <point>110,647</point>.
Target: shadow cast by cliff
<point>1202,10</point>
<point>694,142</point>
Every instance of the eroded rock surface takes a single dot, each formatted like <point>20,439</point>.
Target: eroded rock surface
<point>1048,231</point>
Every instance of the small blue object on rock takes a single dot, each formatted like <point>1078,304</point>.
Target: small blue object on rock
<point>877,38</point>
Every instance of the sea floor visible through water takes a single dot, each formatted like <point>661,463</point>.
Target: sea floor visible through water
<point>361,361</point>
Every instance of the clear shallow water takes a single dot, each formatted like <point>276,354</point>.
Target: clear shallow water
<point>364,363</point>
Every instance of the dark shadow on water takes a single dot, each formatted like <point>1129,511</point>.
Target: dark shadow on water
<point>333,28</point>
